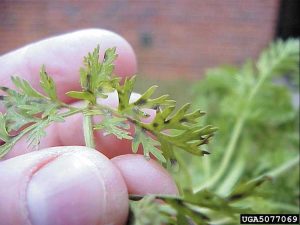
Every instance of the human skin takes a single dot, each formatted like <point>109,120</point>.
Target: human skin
<point>72,185</point>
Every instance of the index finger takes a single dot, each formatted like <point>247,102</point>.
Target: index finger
<point>62,56</point>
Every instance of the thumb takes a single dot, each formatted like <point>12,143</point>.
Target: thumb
<point>63,185</point>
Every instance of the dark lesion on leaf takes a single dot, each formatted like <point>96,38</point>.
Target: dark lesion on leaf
<point>205,152</point>
<point>38,101</point>
<point>4,88</point>
<point>178,201</point>
<point>156,107</point>
<point>88,81</point>
<point>140,102</point>
<point>173,161</point>
<point>235,197</point>
<point>205,140</point>
<point>167,121</point>
<point>134,136</point>
<point>183,120</point>
<point>121,106</point>
<point>155,124</point>
<point>260,182</point>
<point>105,57</point>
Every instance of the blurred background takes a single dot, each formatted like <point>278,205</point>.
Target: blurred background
<point>172,38</point>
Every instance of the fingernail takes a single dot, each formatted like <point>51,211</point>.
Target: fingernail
<point>68,190</point>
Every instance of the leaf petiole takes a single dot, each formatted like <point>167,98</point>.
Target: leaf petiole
<point>88,131</point>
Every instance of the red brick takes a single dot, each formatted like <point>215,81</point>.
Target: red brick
<point>187,36</point>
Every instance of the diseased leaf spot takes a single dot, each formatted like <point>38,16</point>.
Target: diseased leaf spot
<point>204,216</point>
<point>173,162</point>
<point>205,152</point>
<point>183,120</point>
<point>260,182</point>
<point>167,121</point>
<point>155,124</point>
<point>87,85</point>
<point>4,88</point>
<point>156,107</point>
<point>236,197</point>
<point>179,201</point>
<point>121,106</point>
<point>140,102</point>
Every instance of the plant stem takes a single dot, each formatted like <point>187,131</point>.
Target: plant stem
<point>16,139</point>
<point>71,112</point>
<point>162,197</point>
<point>229,153</point>
<point>285,207</point>
<point>235,135</point>
<point>232,177</point>
<point>88,131</point>
<point>281,169</point>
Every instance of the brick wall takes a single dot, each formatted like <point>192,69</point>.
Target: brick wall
<point>172,38</point>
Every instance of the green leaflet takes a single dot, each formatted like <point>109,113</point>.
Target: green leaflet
<point>145,211</point>
<point>48,84</point>
<point>188,135</point>
<point>246,189</point>
<point>16,120</point>
<point>25,87</point>
<point>36,134</point>
<point>4,136</point>
<point>149,145</point>
<point>82,95</point>
<point>28,111</point>
<point>107,66</point>
<point>35,129</point>
<point>5,148</point>
<point>144,102</point>
<point>114,125</point>
<point>280,57</point>
<point>106,86</point>
<point>12,98</point>
<point>96,77</point>
<point>124,93</point>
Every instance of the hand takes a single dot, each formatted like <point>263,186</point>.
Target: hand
<point>72,185</point>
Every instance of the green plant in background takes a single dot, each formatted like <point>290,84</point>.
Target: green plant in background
<point>258,130</point>
<point>254,165</point>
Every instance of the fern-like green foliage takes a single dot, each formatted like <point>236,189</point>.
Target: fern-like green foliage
<point>201,208</point>
<point>29,112</point>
